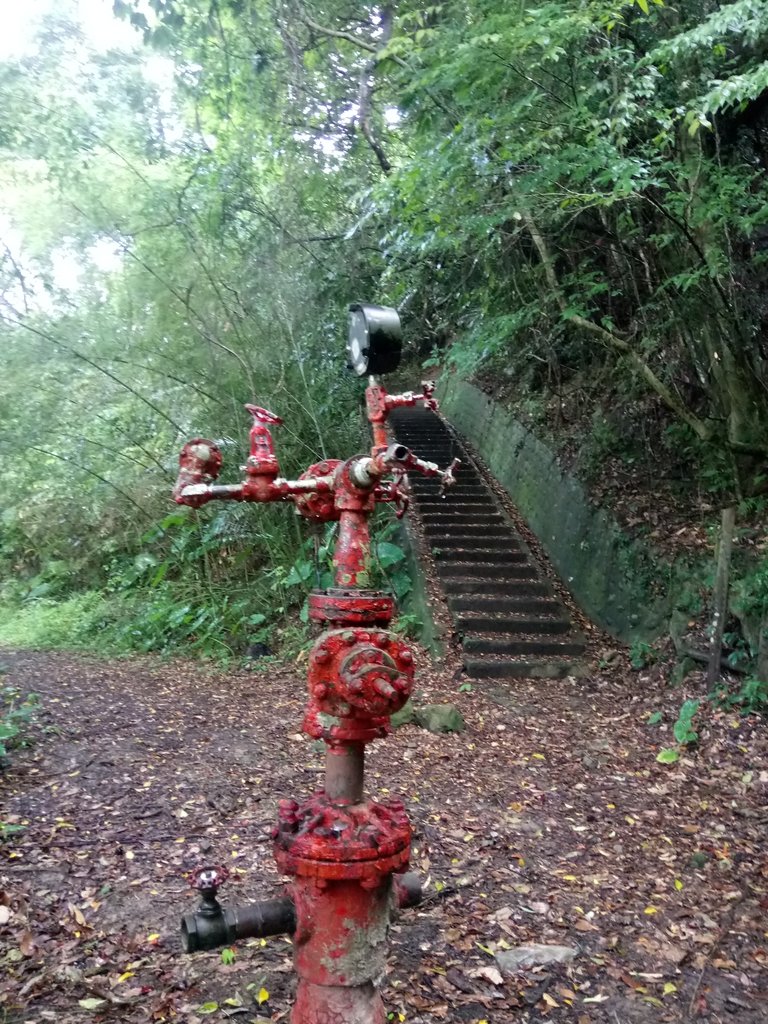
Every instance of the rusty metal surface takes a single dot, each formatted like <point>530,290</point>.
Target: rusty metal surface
<point>318,506</point>
<point>199,464</point>
<point>341,939</point>
<point>323,1004</point>
<point>351,607</point>
<point>360,673</point>
<point>364,842</point>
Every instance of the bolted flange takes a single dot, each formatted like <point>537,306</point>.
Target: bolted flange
<point>365,842</point>
<point>357,679</point>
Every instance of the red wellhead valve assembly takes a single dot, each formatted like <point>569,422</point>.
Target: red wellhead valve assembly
<point>347,855</point>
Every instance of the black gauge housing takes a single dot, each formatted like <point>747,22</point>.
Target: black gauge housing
<point>375,340</point>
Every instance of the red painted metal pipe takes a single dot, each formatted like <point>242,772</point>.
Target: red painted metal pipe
<point>345,854</point>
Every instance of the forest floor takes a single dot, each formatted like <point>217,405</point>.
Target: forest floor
<point>548,820</point>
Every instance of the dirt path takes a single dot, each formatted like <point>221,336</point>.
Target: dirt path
<point>548,821</point>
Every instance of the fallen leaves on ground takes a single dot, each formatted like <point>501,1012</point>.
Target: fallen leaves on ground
<point>548,821</point>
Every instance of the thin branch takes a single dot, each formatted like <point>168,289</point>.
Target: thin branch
<point>90,472</point>
<point>380,56</point>
<point>105,447</point>
<point>169,376</point>
<point>202,327</point>
<point>532,81</point>
<point>79,355</point>
<point>20,277</point>
<point>685,230</point>
<point>365,94</point>
<point>110,423</point>
<point>334,34</point>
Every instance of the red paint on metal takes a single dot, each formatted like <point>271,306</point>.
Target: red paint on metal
<point>363,842</point>
<point>322,1004</point>
<point>353,550</point>
<point>262,461</point>
<point>199,463</point>
<point>341,850</point>
<point>379,404</point>
<point>319,507</point>
<point>352,607</point>
<point>340,940</point>
<point>358,675</point>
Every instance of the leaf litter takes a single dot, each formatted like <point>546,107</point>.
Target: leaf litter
<point>547,822</point>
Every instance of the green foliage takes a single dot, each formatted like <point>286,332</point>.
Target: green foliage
<point>641,654</point>
<point>9,829</point>
<point>683,729</point>
<point>408,624</point>
<point>668,755</point>
<point>749,697</point>
<point>17,711</point>
<point>73,622</point>
<point>752,591</point>
<point>739,655</point>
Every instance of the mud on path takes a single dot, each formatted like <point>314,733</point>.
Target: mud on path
<point>547,821</point>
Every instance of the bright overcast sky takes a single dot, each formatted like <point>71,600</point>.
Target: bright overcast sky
<point>20,20</point>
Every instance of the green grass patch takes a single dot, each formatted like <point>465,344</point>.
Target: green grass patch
<point>75,622</point>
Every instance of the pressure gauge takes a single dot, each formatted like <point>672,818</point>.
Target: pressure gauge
<point>375,339</point>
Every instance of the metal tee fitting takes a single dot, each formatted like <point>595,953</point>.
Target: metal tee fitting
<point>213,925</point>
<point>206,930</point>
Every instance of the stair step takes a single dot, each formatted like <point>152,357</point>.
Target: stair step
<point>453,497</point>
<point>512,606</point>
<point>430,446</point>
<point>423,488</point>
<point>463,570</point>
<point>428,488</point>
<point>414,431</point>
<point>465,477</point>
<point>509,626</point>
<point>508,587</point>
<point>467,507</point>
<point>436,533</point>
<point>431,490</point>
<point>457,542</point>
<point>454,517</point>
<point>435,453</point>
<point>415,437</point>
<point>500,556</point>
<point>516,645</point>
<point>517,668</point>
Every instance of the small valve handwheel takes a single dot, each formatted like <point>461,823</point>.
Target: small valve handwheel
<point>371,681</point>
<point>208,878</point>
<point>375,343</point>
<point>264,415</point>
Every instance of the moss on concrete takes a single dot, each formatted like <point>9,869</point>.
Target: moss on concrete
<point>417,601</point>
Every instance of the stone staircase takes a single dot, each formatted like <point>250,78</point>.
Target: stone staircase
<point>510,621</point>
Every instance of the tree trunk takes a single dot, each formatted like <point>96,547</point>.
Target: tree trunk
<point>720,595</point>
<point>762,651</point>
